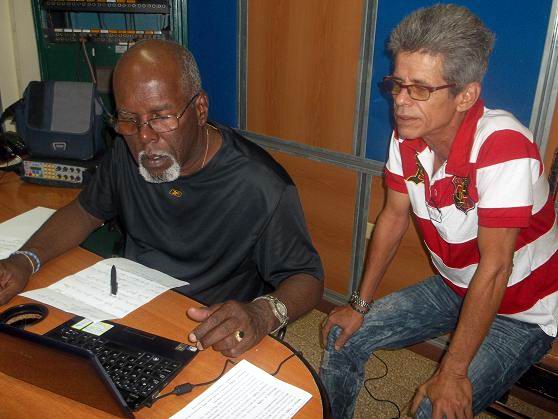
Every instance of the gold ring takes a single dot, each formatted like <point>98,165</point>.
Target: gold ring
<point>239,335</point>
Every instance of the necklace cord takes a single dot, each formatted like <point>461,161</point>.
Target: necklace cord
<point>206,147</point>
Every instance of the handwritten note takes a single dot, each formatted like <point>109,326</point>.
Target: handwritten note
<point>247,392</point>
<point>87,293</point>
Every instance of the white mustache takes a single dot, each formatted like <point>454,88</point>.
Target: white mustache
<point>143,155</point>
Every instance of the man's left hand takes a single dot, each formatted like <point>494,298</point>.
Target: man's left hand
<point>230,328</point>
<point>451,396</point>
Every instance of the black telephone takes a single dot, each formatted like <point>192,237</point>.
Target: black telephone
<point>11,144</point>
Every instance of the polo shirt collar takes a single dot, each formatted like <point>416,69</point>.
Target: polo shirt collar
<point>460,151</point>
<point>416,144</point>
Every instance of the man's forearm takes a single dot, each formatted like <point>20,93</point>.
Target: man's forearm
<point>477,314</point>
<point>483,298</point>
<point>300,293</point>
<point>385,241</point>
<point>67,228</point>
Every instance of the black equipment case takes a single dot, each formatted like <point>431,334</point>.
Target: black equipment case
<point>59,119</point>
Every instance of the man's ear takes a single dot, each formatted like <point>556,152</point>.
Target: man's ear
<point>202,108</point>
<point>468,96</point>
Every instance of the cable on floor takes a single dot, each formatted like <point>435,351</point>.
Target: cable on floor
<point>378,378</point>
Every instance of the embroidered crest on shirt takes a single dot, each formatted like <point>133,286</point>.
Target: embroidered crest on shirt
<point>175,193</point>
<point>418,177</point>
<point>461,197</point>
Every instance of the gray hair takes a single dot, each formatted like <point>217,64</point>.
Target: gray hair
<point>453,32</point>
<point>190,72</point>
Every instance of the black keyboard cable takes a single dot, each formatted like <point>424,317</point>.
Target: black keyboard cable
<point>378,378</point>
<point>188,387</point>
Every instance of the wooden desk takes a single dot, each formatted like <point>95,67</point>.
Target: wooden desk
<point>164,316</point>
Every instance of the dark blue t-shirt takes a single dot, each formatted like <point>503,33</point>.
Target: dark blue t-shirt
<point>233,230</point>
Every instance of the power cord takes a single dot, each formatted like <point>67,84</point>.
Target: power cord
<point>377,378</point>
<point>281,364</point>
<point>188,387</point>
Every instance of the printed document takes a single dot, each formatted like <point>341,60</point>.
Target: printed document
<point>247,392</point>
<point>17,230</point>
<point>88,293</point>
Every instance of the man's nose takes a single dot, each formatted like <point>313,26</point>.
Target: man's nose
<point>146,133</point>
<point>403,98</point>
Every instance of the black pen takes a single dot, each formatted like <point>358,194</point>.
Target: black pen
<point>113,281</point>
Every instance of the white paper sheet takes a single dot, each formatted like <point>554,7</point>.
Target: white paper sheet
<point>246,392</point>
<point>17,230</point>
<point>8,245</point>
<point>88,293</point>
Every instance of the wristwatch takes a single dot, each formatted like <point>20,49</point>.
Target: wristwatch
<point>278,308</point>
<point>358,304</point>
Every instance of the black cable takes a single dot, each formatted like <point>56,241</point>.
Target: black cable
<point>102,20</point>
<point>188,387</point>
<point>70,21</point>
<point>78,67</point>
<point>377,378</point>
<point>281,364</point>
<point>88,61</point>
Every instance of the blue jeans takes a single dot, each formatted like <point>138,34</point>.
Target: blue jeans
<point>422,312</point>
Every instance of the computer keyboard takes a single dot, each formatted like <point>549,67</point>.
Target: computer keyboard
<point>136,374</point>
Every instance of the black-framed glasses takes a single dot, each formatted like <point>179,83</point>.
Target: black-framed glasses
<point>159,124</point>
<point>416,91</point>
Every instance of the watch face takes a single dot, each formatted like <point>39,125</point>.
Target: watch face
<point>281,309</point>
<point>278,307</point>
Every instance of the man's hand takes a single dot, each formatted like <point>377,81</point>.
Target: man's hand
<point>451,395</point>
<point>14,275</point>
<point>347,319</point>
<point>221,322</point>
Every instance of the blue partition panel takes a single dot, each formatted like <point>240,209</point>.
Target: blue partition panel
<point>510,83</point>
<point>212,38</point>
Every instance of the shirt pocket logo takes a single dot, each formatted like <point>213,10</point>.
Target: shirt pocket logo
<point>175,193</point>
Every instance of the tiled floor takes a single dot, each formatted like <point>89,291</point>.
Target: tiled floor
<point>406,370</point>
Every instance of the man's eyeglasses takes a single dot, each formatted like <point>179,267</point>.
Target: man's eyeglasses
<point>160,124</point>
<point>416,91</point>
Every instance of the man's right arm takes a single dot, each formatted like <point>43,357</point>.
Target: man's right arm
<point>66,229</point>
<point>388,232</point>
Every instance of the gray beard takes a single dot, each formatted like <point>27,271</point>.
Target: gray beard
<point>168,175</point>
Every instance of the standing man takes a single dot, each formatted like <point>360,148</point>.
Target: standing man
<point>196,201</point>
<point>474,181</point>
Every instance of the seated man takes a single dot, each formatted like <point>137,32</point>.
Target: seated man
<point>475,182</point>
<point>197,201</point>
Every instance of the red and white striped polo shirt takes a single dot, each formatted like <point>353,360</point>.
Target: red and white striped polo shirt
<point>493,178</point>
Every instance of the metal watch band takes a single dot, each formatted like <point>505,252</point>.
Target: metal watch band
<point>359,309</point>
<point>278,308</point>
<point>356,300</point>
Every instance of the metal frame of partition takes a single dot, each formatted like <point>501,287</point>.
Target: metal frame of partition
<point>547,85</point>
<point>242,40</point>
<point>541,118</point>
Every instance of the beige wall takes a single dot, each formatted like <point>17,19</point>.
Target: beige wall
<point>18,50</point>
